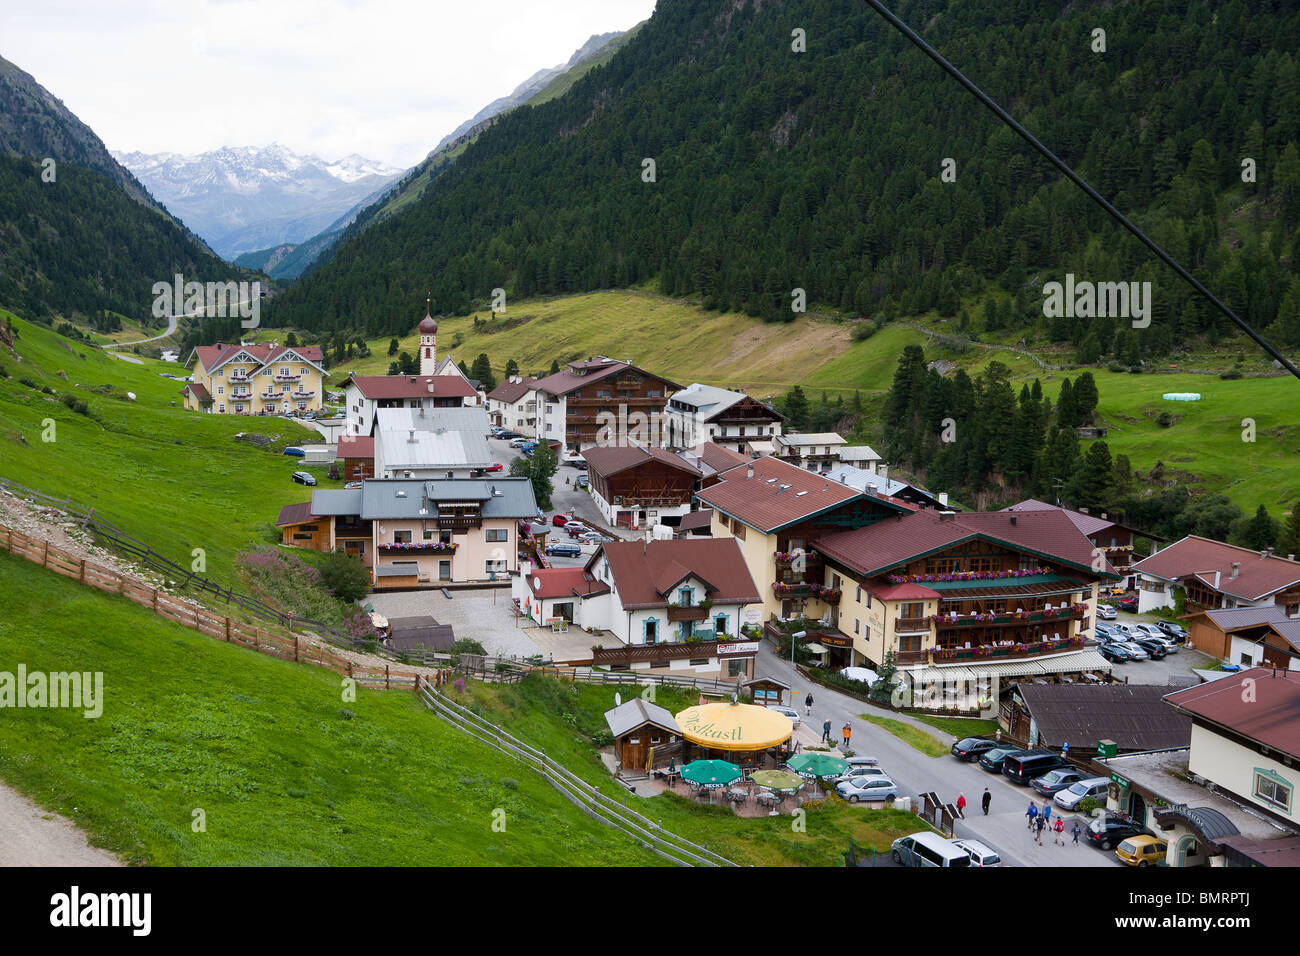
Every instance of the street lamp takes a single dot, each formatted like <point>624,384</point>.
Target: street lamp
<point>797,635</point>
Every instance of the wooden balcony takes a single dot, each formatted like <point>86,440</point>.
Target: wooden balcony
<point>989,652</point>
<point>417,547</point>
<point>787,559</point>
<point>1012,618</point>
<point>913,657</point>
<point>694,613</point>
<point>459,522</point>
<point>911,625</point>
<point>653,653</point>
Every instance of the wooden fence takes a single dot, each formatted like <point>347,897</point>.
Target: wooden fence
<point>187,579</point>
<point>599,805</point>
<point>287,646</point>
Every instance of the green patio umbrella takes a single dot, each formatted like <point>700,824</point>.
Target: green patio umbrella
<point>710,774</point>
<point>817,765</point>
<point>781,780</point>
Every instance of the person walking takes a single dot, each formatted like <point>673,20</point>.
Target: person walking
<point>808,702</point>
<point>1059,828</point>
<point>847,731</point>
<point>961,805</point>
<point>1046,812</point>
<point>985,800</point>
<point>1076,832</point>
<point>1040,827</point>
<point>1032,814</point>
<point>826,731</point>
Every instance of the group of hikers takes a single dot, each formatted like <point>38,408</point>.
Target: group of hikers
<point>1040,820</point>
<point>846,731</point>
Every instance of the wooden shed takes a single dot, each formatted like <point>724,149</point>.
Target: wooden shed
<point>638,726</point>
<point>766,690</point>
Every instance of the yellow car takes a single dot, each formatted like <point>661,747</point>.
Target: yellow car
<point>1142,850</point>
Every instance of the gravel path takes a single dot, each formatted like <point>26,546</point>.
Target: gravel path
<point>29,836</point>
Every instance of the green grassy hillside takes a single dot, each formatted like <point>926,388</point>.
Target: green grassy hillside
<point>173,478</point>
<point>283,775</point>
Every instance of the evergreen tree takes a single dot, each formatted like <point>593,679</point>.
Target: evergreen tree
<point>482,371</point>
<point>393,346</point>
<point>1067,413</point>
<point>1260,532</point>
<point>464,369</point>
<point>1093,484</point>
<point>291,341</point>
<point>1288,540</point>
<point>512,369</point>
<point>1085,398</point>
<point>406,364</point>
<point>555,367</point>
<point>796,409</point>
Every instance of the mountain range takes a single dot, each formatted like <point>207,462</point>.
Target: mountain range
<point>248,198</point>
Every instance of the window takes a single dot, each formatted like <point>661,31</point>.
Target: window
<point>221,407</point>
<point>496,534</point>
<point>686,597</point>
<point>444,537</point>
<point>428,535</point>
<point>444,570</point>
<point>738,528</point>
<point>910,642</point>
<point>659,665</point>
<point>912,609</point>
<point>699,661</point>
<point>855,625</point>
<point>402,537</point>
<point>1273,789</point>
<point>221,390</point>
<point>651,631</point>
<point>302,537</point>
<point>720,625</point>
<point>496,566</point>
<point>1293,610</point>
<point>735,668</point>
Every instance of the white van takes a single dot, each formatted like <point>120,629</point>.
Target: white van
<point>1076,793</point>
<point>928,849</point>
<point>980,854</point>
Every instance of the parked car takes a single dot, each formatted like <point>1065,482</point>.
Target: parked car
<point>580,464</point>
<point>1135,651</point>
<point>970,748</point>
<point>1025,766</point>
<point>1054,781</point>
<point>1129,604</point>
<point>304,478</point>
<point>520,442</point>
<point>295,452</point>
<point>1080,790</point>
<point>862,770</point>
<point>1152,633</point>
<point>861,762</point>
<point>788,712</point>
<point>507,434</point>
<point>1106,612</point>
<point>1104,630</point>
<point>561,519</point>
<point>577,529</point>
<point>352,486</point>
<point>561,549</point>
<point>928,849</point>
<point>1156,650</point>
<point>582,481</point>
<point>495,466</point>
<point>1142,850</point>
<point>594,537</point>
<point>1171,630</point>
<point>980,855</point>
<point>1110,830</point>
<point>992,760</point>
<point>867,787</point>
<point>1114,652</point>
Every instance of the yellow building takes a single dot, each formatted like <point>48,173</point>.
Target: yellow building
<point>255,379</point>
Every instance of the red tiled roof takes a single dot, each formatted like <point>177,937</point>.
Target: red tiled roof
<point>294,514</point>
<point>1087,523</point>
<point>1257,578</point>
<point>889,543</point>
<point>562,382</point>
<point>411,386</point>
<point>511,392</point>
<point>1270,713</point>
<point>719,458</point>
<point>697,519</point>
<point>563,582</point>
<point>356,446</point>
<point>645,571</point>
<point>609,460</point>
<point>904,592</point>
<point>214,355</point>
<point>771,499</point>
<point>198,391</point>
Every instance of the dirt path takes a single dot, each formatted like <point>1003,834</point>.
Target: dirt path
<point>29,836</point>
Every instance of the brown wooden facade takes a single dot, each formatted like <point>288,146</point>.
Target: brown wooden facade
<point>651,484</point>
<point>639,391</point>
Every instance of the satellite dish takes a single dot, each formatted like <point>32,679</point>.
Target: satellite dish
<point>618,699</point>
<point>537,584</point>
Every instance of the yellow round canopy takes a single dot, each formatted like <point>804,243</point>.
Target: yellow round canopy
<point>734,726</point>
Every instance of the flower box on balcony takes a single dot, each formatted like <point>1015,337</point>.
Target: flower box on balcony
<point>432,546</point>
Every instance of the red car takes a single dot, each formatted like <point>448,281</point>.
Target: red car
<point>560,520</point>
<point>1129,604</point>
<point>576,528</point>
<point>496,466</point>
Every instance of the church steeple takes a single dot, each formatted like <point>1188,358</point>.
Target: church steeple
<point>428,341</point>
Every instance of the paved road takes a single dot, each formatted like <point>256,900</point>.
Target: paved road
<point>1003,829</point>
<point>171,328</point>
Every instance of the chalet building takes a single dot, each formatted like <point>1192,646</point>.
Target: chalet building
<point>645,736</point>
<point>513,405</point>
<point>1113,539</point>
<point>357,454</point>
<point>816,451</point>
<point>1010,595</point>
<point>702,413</point>
<point>412,532</point>
<point>677,606</point>
<point>1250,636</point>
<point>364,395</point>
<point>776,512</point>
<point>634,486</point>
<point>878,482</point>
<point>255,379</point>
<point>431,443</point>
<point>597,401</point>
<point>547,595</point>
<point>1230,797</point>
<point>1217,575</point>
<point>860,456</point>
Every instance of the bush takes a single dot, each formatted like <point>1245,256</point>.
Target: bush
<point>863,331</point>
<point>467,645</point>
<point>1165,420</point>
<point>75,404</point>
<point>1231,373</point>
<point>345,576</point>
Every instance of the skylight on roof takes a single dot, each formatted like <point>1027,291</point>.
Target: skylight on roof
<point>800,494</point>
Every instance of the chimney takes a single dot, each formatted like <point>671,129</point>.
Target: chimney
<point>411,436</point>
<point>1216,580</point>
<point>1013,519</point>
<point>884,471</point>
<point>1236,569</point>
<point>1083,511</point>
<point>949,515</point>
<point>1263,554</point>
<point>749,472</point>
<point>943,498</point>
<point>1103,516</point>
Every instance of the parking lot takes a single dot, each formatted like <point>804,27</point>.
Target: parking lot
<point>1178,665</point>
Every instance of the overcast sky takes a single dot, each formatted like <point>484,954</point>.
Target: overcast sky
<point>386,79</point>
